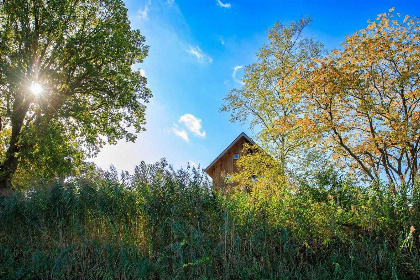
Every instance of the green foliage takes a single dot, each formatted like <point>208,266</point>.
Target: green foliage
<point>358,106</point>
<point>354,110</point>
<point>257,168</point>
<point>268,100</point>
<point>52,155</point>
<point>82,53</point>
<point>159,223</point>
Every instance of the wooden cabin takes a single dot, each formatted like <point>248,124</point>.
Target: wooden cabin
<point>225,163</point>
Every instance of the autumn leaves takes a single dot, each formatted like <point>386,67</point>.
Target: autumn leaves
<point>359,106</point>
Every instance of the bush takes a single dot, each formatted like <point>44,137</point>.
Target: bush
<point>159,223</point>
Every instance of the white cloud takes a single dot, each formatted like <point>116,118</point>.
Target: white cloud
<point>199,54</point>
<point>181,133</point>
<point>235,69</point>
<point>170,2</point>
<point>222,40</point>
<point>193,124</point>
<point>143,73</point>
<point>144,14</point>
<point>227,5</point>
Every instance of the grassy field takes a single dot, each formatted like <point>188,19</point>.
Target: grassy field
<point>165,224</point>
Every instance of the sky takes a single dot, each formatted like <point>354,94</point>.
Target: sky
<point>198,51</point>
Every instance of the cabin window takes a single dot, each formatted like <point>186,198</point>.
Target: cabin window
<point>236,156</point>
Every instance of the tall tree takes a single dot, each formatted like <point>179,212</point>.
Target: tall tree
<point>365,100</point>
<point>268,98</point>
<point>66,75</point>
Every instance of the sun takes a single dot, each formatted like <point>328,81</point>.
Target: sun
<point>36,88</point>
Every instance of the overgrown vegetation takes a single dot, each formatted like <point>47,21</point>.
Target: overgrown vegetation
<point>289,214</point>
<point>164,224</point>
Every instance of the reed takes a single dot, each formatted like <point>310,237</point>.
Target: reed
<point>159,223</point>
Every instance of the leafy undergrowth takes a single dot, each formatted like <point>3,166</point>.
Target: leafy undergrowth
<point>165,224</point>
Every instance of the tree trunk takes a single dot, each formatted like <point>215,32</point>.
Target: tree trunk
<point>8,168</point>
<point>5,189</point>
<point>10,164</point>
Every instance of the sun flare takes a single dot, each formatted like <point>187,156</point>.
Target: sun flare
<point>36,88</point>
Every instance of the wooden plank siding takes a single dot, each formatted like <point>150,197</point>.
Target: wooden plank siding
<point>226,163</point>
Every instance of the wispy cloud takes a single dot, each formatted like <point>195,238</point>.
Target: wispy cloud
<point>223,5</point>
<point>199,54</point>
<point>180,133</point>
<point>193,124</point>
<point>144,14</point>
<point>235,69</point>
<point>170,2</point>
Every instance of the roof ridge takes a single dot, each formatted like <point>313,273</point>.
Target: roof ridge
<point>243,134</point>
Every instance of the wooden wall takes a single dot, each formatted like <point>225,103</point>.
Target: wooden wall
<point>226,164</point>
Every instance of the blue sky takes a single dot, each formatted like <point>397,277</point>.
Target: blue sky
<point>195,46</point>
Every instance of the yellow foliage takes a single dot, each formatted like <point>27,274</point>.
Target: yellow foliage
<point>366,97</point>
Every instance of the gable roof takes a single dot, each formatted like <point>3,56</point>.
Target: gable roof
<point>228,148</point>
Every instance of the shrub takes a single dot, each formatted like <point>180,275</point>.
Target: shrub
<point>159,223</point>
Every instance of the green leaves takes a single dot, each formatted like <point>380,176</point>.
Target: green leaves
<point>48,151</point>
<point>359,106</point>
<point>82,52</point>
<point>271,100</point>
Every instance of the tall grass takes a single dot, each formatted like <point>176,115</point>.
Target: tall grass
<point>164,224</point>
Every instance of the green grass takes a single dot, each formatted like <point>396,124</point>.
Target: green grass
<point>165,224</point>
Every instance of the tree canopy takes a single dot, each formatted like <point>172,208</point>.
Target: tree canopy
<point>359,105</point>
<point>80,54</point>
<point>268,98</point>
<point>364,100</point>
